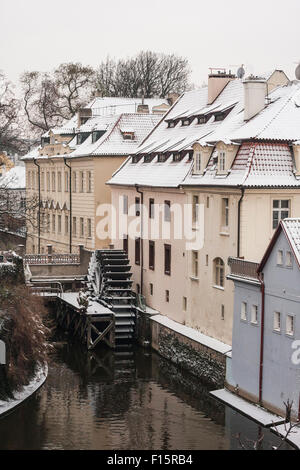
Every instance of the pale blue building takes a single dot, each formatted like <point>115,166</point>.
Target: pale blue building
<point>265,362</point>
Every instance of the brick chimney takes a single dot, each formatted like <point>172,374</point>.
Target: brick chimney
<point>172,97</point>
<point>217,82</point>
<point>143,109</point>
<point>83,115</point>
<point>255,91</point>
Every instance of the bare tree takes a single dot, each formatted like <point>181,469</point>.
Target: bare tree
<point>148,74</point>
<point>9,109</point>
<point>49,99</point>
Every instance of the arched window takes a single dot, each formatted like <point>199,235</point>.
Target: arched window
<point>219,271</point>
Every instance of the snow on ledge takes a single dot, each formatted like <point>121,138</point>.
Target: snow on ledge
<point>193,334</point>
<point>257,413</point>
<point>39,379</point>
<point>293,437</point>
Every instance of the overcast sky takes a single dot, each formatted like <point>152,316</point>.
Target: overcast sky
<point>39,35</point>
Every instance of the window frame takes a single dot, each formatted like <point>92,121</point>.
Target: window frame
<point>151,255</point>
<point>279,211</point>
<point>167,259</point>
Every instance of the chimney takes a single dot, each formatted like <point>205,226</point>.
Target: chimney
<point>255,91</point>
<point>143,109</point>
<point>216,83</point>
<point>172,97</point>
<point>83,115</point>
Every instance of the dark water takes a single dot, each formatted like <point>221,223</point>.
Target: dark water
<point>105,400</point>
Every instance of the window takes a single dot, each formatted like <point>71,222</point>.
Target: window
<point>222,312</point>
<point>171,124</point>
<point>288,259</point>
<point>96,135</point>
<point>74,226</point>
<point>138,289</point>
<point>59,224</point>
<point>42,181</point>
<point>162,158</point>
<point>219,272</point>
<point>254,314</point>
<point>59,181</point>
<point>185,122</point>
<point>225,212</point>
<point>168,260</point>
<point>81,227</point>
<point>125,204</point>
<point>201,119</point>
<point>167,294</point>
<point>206,260</point>
<point>290,325</point>
<point>280,257</point>
<point>89,228</point>
<point>195,209</point>
<point>222,161</point>
<point>66,224</point>
<point>281,210</point>
<point>48,181</point>
<point>137,251</point>
<point>195,263</point>
<point>125,243</point>
<point>74,183</point>
<point>177,157</point>
<point>197,162</point>
<point>66,181</point>
<point>244,311</point>
<point>151,255</point>
<point>151,288</point>
<point>207,202</point>
<point>53,181</point>
<point>89,181</point>
<point>48,223</point>
<point>82,181</point>
<point>277,321</point>
<point>167,211</point>
<point>82,136</point>
<point>184,304</point>
<point>151,208</point>
<point>53,223</point>
<point>137,207</point>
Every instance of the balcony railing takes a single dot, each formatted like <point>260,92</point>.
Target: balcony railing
<point>54,258</point>
<point>242,268</point>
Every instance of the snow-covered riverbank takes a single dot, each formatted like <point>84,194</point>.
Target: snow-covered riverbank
<point>19,397</point>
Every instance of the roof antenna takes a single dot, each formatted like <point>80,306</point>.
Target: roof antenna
<point>240,72</point>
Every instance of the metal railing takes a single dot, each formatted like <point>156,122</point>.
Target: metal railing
<point>242,268</point>
<point>54,258</point>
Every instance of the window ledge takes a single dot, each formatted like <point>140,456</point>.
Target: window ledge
<point>193,278</point>
<point>290,335</point>
<point>254,323</point>
<point>278,332</point>
<point>224,234</point>
<point>218,287</point>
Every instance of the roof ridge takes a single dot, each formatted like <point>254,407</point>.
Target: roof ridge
<point>278,112</point>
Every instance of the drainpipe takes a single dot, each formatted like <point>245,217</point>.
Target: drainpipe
<point>262,328</point>
<point>70,189</point>
<point>239,223</point>
<point>39,211</point>
<point>142,235</point>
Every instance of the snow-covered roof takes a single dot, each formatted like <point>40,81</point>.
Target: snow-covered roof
<point>264,157</point>
<point>14,178</point>
<point>116,105</point>
<point>292,230</point>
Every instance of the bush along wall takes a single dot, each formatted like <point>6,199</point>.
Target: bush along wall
<point>22,330</point>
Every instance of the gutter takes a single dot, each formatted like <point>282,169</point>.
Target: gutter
<point>261,360</point>
<point>239,223</point>
<point>39,211</point>
<point>142,235</point>
<point>70,189</point>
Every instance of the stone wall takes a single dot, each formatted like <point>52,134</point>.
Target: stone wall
<point>203,362</point>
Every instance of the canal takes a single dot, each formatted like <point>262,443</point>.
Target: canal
<point>130,399</point>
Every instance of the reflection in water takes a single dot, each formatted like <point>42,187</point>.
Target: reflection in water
<point>122,400</point>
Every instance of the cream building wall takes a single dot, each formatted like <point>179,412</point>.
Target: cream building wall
<point>85,200</point>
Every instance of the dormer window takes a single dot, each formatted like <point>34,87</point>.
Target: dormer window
<point>201,119</point>
<point>197,168</point>
<point>45,140</point>
<point>171,124</point>
<point>185,122</point>
<point>96,135</point>
<point>162,158</point>
<point>81,137</point>
<point>148,158</point>
<point>222,157</point>
<point>219,116</point>
<point>136,158</point>
<point>177,157</point>
<point>128,135</point>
